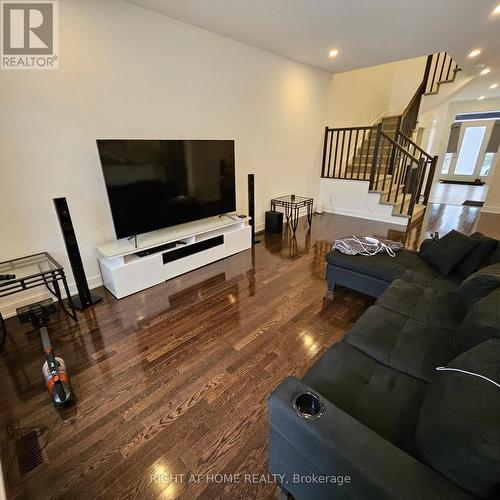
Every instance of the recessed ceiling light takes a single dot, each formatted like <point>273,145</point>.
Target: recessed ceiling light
<point>493,86</point>
<point>481,97</point>
<point>333,53</point>
<point>496,10</point>
<point>485,71</point>
<point>474,53</point>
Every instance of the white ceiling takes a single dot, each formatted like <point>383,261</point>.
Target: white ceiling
<point>366,32</point>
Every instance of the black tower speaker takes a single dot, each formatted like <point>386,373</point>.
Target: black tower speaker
<point>251,205</point>
<point>85,298</point>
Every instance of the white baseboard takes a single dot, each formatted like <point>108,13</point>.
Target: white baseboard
<point>353,198</point>
<point>399,221</point>
<point>490,209</point>
<point>12,302</point>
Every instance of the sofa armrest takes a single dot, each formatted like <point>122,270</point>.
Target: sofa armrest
<point>338,444</point>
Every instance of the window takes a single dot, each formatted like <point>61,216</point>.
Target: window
<point>469,150</point>
<point>488,160</point>
<point>480,115</point>
<point>446,163</point>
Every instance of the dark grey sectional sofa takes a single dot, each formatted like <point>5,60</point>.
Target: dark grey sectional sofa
<point>373,418</point>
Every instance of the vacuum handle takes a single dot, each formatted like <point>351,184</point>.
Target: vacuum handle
<point>44,335</point>
<point>52,362</point>
<point>47,348</point>
<point>59,387</point>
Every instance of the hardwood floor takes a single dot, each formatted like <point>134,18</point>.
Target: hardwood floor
<point>174,380</point>
<point>456,194</point>
<point>444,218</point>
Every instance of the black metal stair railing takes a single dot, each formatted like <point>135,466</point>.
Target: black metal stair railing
<point>368,154</point>
<point>348,152</point>
<point>398,168</point>
<point>439,68</point>
<point>443,70</point>
<point>409,118</point>
<point>400,178</point>
<point>429,168</point>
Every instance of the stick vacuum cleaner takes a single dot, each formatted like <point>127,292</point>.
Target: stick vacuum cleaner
<point>54,368</point>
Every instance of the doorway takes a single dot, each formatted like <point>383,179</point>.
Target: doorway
<point>471,154</point>
<point>470,160</point>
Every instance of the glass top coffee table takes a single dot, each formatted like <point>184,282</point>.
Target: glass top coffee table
<point>292,205</point>
<point>32,271</point>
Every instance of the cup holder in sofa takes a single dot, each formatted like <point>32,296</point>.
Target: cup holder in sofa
<point>308,405</point>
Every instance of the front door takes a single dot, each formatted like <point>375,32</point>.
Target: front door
<point>470,160</point>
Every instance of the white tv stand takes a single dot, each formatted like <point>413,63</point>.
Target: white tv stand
<point>197,244</point>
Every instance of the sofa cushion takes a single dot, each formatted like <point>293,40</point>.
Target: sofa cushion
<point>481,323</point>
<point>448,252</point>
<point>402,343</point>
<point>385,400</point>
<point>459,426</point>
<point>450,283</point>
<point>494,256</point>
<point>478,256</point>
<point>433,306</point>
<point>382,266</point>
<point>477,286</point>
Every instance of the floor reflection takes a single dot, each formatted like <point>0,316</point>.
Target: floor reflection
<point>287,244</point>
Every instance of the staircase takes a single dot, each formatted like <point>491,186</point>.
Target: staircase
<point>385,156</point>
<point>444,70</point>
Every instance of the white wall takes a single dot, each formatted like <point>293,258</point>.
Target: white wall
<point>353,198</point>
<point>363,96</point>
<point>446,93</point>
<point>492,202</point>
<point>435,117</point>
<point>126,72</point>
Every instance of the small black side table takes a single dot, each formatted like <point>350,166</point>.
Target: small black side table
<point>32,271</point>
<point>292,205</point>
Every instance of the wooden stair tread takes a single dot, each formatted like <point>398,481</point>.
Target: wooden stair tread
<point>399,199</point>
<point>366,177</point>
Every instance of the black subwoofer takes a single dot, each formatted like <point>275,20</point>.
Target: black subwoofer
<point>274,222</point>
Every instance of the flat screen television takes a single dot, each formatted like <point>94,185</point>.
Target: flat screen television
<point>153,184</point>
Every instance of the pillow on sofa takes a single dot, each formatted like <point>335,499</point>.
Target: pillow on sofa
<point>481,323</point>
<point>458,432</point>
<point>478,256</point>
<point>475,287</point>
<point>425,244</point>
<point>445,254</point>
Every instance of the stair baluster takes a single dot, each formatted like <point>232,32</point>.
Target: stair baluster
<point>394,166</point>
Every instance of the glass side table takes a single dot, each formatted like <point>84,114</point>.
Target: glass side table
<point>34,270</point>
<point>292,205</point>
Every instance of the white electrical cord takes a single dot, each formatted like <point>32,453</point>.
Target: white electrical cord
<point>368,246</point>
<point>445,368</point>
